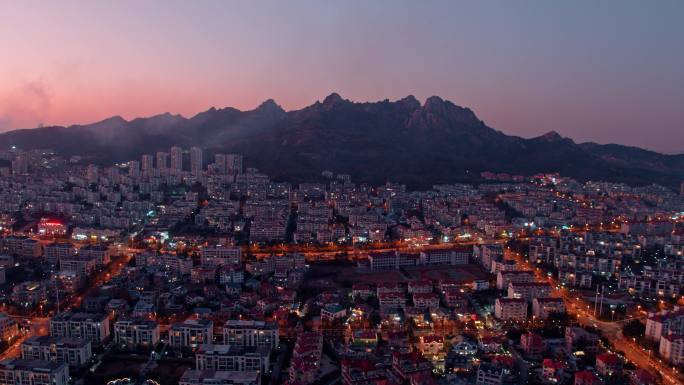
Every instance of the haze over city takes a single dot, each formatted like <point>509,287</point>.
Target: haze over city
<point>609,72</point>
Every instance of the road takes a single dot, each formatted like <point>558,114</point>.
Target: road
<point>330,252</point>
<point>580,309</point>
<point>14,350</point>
<point>111,270</point>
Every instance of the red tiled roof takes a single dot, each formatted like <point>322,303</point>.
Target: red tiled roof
<point>553,364</point>
<point>608,358</point>
<point>432,338</point>
<point>586,376</point>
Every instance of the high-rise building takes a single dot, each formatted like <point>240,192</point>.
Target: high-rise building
<point>234,164</point>
<point>220,163</point>
<point>147,164</point>
<point>176,158</point>
<point>230,164</point>
<point>20,164</point>
<point>162,160</point>
<point>91,173</point>
<point>681,189</point>
<point>196,161</point>
<point>134,169</point>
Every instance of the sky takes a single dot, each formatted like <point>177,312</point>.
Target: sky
<point>606,71</point>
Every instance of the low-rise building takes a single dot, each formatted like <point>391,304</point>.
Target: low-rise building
<point>91,327</point>
<point>608,365</point>
<point>671,348</point>
<point>191,333</point>
<point>578,339</point>
<point>503,278</point>
<point>664,323</point>
<point>529,290</point>
<point>488,374</point>
<point>513,309</point>
<point>213,377</point>
<point>332,312</point>
<point>251,333</point>
<point>231,358</point>
<point>33,372</point>
<point>73,352</point>
<point>8,328</point>
<point>136,333</point>
<point>543,307</point>
<point>533,344</point>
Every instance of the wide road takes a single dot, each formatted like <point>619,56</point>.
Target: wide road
<point>112,269</point>
<point>582,310</point>
<point>330,252</point>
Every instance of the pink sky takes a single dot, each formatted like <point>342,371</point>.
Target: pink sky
<point>605,72</point>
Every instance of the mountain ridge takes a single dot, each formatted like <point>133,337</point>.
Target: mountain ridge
<point>403,140</point>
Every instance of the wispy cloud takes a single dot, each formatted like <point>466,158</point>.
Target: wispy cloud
<point>25,105</point>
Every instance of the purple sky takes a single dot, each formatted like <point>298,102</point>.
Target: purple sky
<point>604,71</point>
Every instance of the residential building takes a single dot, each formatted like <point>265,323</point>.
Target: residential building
<point>529,290</point>
<point>215,256</point>
<point>8,328</point>
<point>73,352</point>
<point>196,161</point>
<point>247,333</point>
<point>608,365</point>
<point>578,339</point>
<point>212,377</point>
<point>510,309</point>
<point>544,306</point>
<point>488,374</point>
<point>19,371</point>
<point>91,327</point>
<point>664,323</point>
<point>136,333</point>
<point>671,348</point>
<point>231,358</point>
<point>191,333</point>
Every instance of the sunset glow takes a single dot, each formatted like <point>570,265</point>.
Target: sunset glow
<point>528,69</point>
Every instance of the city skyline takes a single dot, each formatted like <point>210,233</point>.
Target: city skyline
<point>341,193</point>
<point>607,73</point>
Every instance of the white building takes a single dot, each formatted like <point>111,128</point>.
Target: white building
<point>215,256</point>
<point>176,159</point>
<point>91,327</point>
<point>231,358</point>
<point>196,161</point>
<point>333,311</point>
<point>529,290</point>
<point>71,351</point>
<point>250,333</point>
<point>672,348</point>
<point>543,307</point>
<point>664,323</point>
<point>136,333</point>
<point>19,371</point>
<point>503,278</point>
<point>191,333</point>
<point>8,328</point>
<point>488,374</point>
<point>514,309</point>
<point>204,377</point>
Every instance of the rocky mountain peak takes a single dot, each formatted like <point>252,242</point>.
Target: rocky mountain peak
<point>271,107</point>
<point>333,98</point>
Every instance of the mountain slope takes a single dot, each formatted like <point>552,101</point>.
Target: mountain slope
<point>404,141</point>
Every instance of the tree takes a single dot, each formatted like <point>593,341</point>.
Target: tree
<point>634,329</point>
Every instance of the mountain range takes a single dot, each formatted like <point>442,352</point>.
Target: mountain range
<point>403,141</point>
